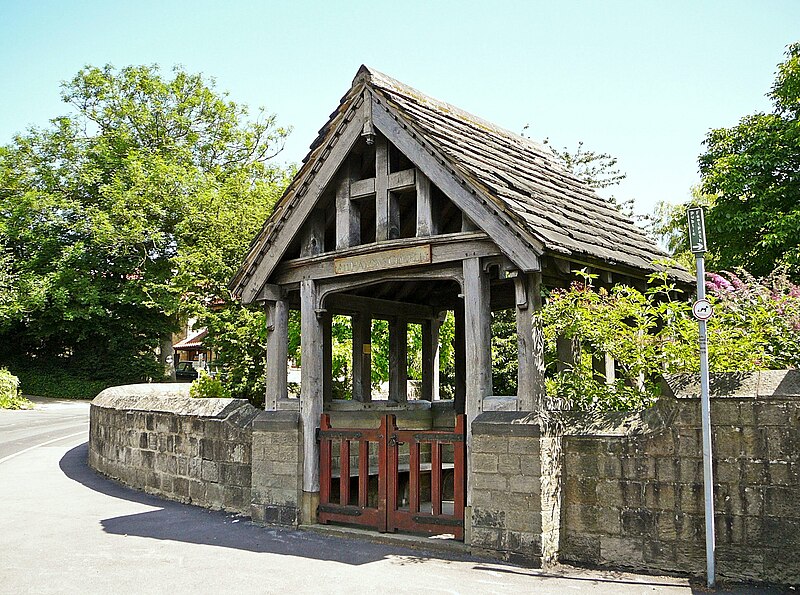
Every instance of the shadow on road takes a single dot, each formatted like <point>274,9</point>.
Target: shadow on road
<point>182,522</point>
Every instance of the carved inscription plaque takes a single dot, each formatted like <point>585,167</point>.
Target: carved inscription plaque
<point>387,259</point>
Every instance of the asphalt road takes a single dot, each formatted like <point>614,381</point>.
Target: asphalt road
<point>64,529</point>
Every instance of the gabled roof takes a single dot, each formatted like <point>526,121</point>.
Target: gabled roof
<point>554,211</point>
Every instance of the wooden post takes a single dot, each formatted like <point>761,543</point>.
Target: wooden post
<point>348,217</point>
<point>530,344</point>
<point>603,367</point>
<point>478,337</point>
<point>327,358</point>
<point>398,360</point>
<point>313,237</point>
<point>425,225</point>
<point>568,352</point>
<point>430,359</point>
<point>382,207</point>
<point>277,353</point>
<point>460,360</point>
<point>311,383</point>
<point>362,357</point>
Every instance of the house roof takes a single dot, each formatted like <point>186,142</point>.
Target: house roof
<point>522,178</point>
<point>194,341</point>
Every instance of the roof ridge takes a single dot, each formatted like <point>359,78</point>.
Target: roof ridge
<point>381,80</point>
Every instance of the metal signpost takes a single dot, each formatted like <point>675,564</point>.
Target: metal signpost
<point>702,310</point>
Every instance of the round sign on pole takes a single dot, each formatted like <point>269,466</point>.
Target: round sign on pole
<point>702,310</point>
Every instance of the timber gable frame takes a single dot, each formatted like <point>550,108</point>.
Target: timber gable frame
<point>508,188</point>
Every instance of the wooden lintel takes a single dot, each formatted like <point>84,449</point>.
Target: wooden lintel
<point>342,303</point>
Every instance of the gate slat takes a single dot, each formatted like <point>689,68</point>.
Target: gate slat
<point>363,473</point>
<point>344,472</point>
<point>413,476</point>
<point>436,478</point>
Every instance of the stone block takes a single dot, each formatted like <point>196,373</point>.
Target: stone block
<point>580,548</point>
<point>667,469</point>
<point>209,471</point>
<point>508,464</point>
<point>489,444</point>
<point>484,462</point>
<point>632,494</point>
<point>521,445</point>
<point>725,413</point>
<point>524,484</point>
<point>488,518</point>
<point>639,522</point>
<point>580,490</point>
<point>489,481</point>
<point>487,538</point>
<point>621,551</point>
<point>609,466</point>
<point>659,495</point>
<point>610,493</point>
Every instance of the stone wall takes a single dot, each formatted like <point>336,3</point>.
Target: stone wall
<point>633,494</point>
<point>156,438</point>
<point>626,490</point>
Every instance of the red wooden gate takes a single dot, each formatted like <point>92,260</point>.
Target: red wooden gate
<point>387,495</point>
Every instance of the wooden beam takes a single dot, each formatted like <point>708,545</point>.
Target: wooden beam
<point>478,338</point>
<point>313,235</point>
<point>348,217</point>
<point>382,214</point>
<point>277,353</point>
<point>398,360</point>
<point>270,293</point>
<point>404,179</point>
<point>444,249</point>
<point>603,367</point>
<point>362,188</point>
<point>342,303</point>
<point>459,360</point>
<point>530,344</point>
<point>311,383</point>
<point>516,243</point>
<point>327,357</point>
<point>430,359</point>
<point>568,353</point>
<point>362,357</point>
<point>425,220</point>
<point>326,165</point>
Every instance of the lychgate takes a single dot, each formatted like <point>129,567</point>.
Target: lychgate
<point>407,209</point>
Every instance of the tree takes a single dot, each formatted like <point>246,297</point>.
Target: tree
<point>753,171</point>
<point>126,215</point>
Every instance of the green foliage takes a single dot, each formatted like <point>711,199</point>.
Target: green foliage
<point>206,387</point>
<point>504,352</point>
<point>755,326</point>
<point>238,334</point>
<point>9,392</point>
<point>124,217</point>
<point>753,169</point>
<point>58,383</point>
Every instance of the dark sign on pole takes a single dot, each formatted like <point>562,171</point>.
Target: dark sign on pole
<point>697,230</point>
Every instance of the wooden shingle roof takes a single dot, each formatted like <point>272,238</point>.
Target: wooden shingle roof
<point>555,212</point>
<point>555,206</point>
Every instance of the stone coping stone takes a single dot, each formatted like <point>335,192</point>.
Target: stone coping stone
<point>737,385</point>
<point>390,406</point>
<point>507,423</point>
<point>276,421</point>
<point>170,398</point>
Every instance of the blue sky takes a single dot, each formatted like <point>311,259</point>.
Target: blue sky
<point>641,80</point>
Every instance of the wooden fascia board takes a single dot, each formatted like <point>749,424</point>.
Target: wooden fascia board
<point>444,249</point>
<point>321,171</point>
<point>523,251</point>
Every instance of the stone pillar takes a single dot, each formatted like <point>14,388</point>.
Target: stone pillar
<point>398,360</point>
<point>430,359</point>
<point>277,353</point>
<point>362,357</point>
<point>530,344</point>
<point>311,395</point>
